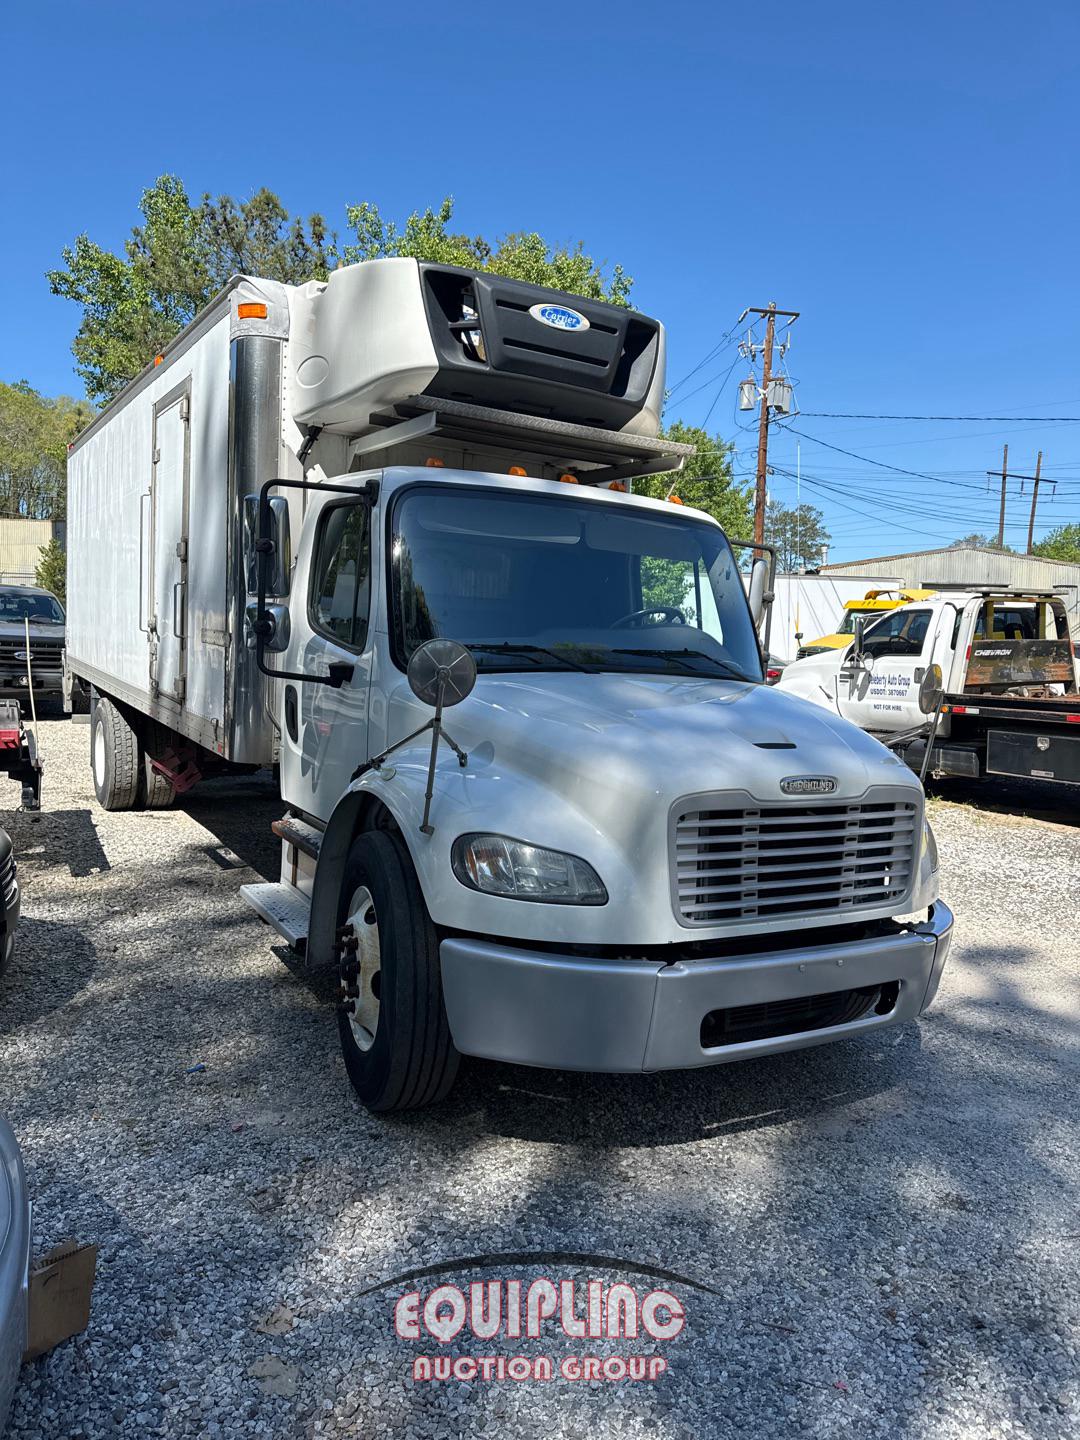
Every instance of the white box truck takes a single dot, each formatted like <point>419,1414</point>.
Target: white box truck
<point>328,512</point>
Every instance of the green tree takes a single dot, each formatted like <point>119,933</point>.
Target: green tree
<point>34,435</point>
<point>979,542</point>
<point>706,481</point>
<point>799,534</point>
<point>173,263</point>
<point>51,572</point>
<point>1060,544</point>
<point>518,255</point>
<point>182,253</point>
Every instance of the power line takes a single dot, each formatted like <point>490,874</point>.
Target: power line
<point>881,465</point>
<point>974,419</point>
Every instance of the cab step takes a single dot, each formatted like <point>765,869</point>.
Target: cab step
<point>283,907</point>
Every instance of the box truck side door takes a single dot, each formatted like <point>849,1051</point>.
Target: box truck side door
<point>882,694</point>
<point>324,731</point>
<point>169,488</point>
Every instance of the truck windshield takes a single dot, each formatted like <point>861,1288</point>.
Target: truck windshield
<point>30,605</point>
<point>530,582</point>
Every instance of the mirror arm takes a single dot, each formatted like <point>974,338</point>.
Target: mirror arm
<point>338,671</point>
<point>435,725</point>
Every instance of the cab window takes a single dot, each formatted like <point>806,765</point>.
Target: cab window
<point>901,633</point>
<point>341,581</point>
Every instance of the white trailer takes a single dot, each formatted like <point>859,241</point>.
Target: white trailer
<point>629,853</point>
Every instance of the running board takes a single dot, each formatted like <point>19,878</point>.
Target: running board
<point>283,907</point>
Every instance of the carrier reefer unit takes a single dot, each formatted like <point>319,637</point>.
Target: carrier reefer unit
<point>540,805</point>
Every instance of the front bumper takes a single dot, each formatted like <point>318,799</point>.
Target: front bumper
<point>46,682</point>
<point>572,1013</point>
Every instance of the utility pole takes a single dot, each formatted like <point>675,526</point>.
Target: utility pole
<point>1004,481</point>
<point>1034,502</point>
<point>770,312</point>
<point>1006,476</point>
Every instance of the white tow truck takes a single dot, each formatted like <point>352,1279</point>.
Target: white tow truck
<point>333,511</point>
<point>986,678</point>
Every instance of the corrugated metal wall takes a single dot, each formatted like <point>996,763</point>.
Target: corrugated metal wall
<point>976,567</point>
<point>20,547</point>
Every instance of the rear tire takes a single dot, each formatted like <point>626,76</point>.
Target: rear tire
<point>115,757</point>
<point>155,792</point>
<point>397,1046</point>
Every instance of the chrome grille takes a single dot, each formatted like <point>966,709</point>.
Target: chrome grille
<point>753,862</point>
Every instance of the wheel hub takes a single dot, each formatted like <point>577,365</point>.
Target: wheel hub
<point>362,923</point>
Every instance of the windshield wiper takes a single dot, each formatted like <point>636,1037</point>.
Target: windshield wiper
<point>677,655</point>
<point>502,647</point>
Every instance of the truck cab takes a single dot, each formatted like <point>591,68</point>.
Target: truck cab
<point>992,671</point>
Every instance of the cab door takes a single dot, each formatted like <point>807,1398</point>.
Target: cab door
<point>882,694</point>
<point>324,729</point>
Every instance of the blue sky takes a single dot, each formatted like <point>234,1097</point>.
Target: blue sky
<point>905,176</point>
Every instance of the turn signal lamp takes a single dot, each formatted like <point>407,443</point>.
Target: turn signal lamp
<point>251,312</point>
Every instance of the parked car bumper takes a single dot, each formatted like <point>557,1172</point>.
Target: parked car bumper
<point>573,1013</point>
<point>14,1265</point>
<point>46,682</point>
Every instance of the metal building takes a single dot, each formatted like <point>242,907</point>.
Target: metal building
<point>974,565</point>
<point>20,547</point>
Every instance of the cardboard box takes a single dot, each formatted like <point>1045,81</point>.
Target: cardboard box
<point>61,1283</point>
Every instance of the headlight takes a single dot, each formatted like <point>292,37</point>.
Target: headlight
<point>511,868</point>
<point>930,845</point>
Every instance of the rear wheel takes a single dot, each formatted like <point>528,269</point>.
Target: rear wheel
<point>394,1034</point>
<point>114,757</point>
<point>155,792</point>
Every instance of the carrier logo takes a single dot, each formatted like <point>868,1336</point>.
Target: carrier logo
<point>808,785</point>
<point>559,317</point>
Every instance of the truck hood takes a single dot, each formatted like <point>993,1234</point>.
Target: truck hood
<point>15,630</point>
<point>663,737</point>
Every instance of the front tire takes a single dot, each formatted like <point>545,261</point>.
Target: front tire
<point>395,1038</point>
<point>114,757</point>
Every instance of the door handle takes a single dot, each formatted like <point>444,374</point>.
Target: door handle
<point>177,631</point>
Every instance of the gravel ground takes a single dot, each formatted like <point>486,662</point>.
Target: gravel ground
<point>881,1236</point>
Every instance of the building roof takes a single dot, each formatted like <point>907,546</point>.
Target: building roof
<point>947,550</point>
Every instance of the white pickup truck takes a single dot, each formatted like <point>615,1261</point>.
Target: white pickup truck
<point>987,676</point>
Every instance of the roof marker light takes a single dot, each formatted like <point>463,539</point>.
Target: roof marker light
<point>675,500</point>
<point>434,463</point>
<point>158,359</point>
<point>516,470</point>
<point>251,312</point>
<point>568,480</point>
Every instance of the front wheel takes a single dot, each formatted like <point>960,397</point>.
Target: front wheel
<point>394,1033</point>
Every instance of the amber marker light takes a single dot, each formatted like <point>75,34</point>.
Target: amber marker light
<point>251,312</point>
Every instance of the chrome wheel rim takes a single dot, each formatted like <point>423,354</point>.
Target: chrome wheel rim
<point>364,1019</point>
<point>99,756</point>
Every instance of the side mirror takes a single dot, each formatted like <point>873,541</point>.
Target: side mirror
<point>275,625</point>
<point>759,575</point>
<point>860,631</point>
<point>931,690</point>
<point>441,673</point>
<point>277,558</point>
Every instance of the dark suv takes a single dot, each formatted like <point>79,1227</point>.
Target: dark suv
<point>20,604</point>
